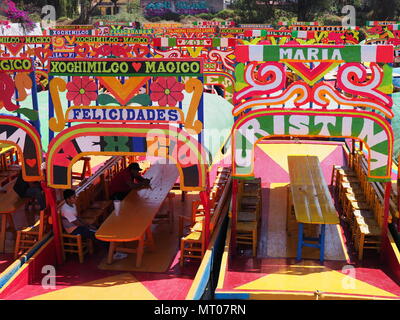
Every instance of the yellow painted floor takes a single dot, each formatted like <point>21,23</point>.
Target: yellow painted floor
<point>166,242</point>
<point>123,286</point>
<point>312,278</point>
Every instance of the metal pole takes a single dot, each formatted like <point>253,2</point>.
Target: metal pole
<point>204,197</point>
<point>388,186</point>
<point>52,204</point>
<point>234,213</point>
<point>398,193</point>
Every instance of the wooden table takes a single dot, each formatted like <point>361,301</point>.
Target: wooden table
<point>137,212</point>
<point>10,202</point>
<point>311,199</point>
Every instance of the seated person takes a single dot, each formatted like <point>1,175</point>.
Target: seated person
<point>32,190</point>
<point>70,220</point>
<point>126,180</point>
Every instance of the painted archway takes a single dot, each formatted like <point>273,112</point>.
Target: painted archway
<point>371,128</point>
<point>27,141</point>
<point>164,141</point>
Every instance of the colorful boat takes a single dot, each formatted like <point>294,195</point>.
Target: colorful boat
<point>271,165</point>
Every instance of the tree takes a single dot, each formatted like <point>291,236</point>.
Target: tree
<point>308,10</point>
<point>253,11</point>
<point>12,13</point>
<point>384,10</point>
<point>87,9</point>
<point>115,6</point>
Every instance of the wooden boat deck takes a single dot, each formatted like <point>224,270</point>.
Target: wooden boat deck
<point>274,273</point>
<point>160,278</point>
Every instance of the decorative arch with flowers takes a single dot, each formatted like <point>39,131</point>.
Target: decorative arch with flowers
<point>141,92</point>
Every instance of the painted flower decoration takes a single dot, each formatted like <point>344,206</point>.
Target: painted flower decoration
<point>166,91</point>
<point>82,90</point>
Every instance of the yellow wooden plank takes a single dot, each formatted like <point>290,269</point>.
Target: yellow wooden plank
<point>328,212</point>
<point>311,197</point>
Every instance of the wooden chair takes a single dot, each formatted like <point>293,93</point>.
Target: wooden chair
<point>354,203</point>
<point>86,213</point>
<point>348,188</point>
<point>197,214</point>
<point>193,245</point>
<point>337,173</point>
<point>74,243</point>
<point>101,207</point>
<point>249,213</point>
<point>367,236</point>
<point>246,233</point>
<point>358,217</point>
<point>251,189</point>
<point>250,205</point>
<point>27,237</point>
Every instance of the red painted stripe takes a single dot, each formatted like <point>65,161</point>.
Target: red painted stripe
<point>231,42</point>
<point>385,53</point>
<point>248,33</point>
<point>157,42</point>
<point>242,53</point>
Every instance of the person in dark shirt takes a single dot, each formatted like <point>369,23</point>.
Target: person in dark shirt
<point>31,190</point>
<point>126,180</point>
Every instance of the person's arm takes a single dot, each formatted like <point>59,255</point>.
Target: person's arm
<point>132,184</point>
<point>142,180</point>
<point>74,218</point>
<point>78,223</point>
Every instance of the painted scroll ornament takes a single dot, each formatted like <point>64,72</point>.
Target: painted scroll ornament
<point>269,78</point>
<point>352,78</point>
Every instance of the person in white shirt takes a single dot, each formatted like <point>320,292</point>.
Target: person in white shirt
<point>70,220</point>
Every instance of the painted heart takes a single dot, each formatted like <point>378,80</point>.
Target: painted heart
<point>136,66</point>
<point>43,54</point>
<point>14,48</point>
<point>31,162</point>
<point>123,92</point>
<point>140,51</point>
<point>311,76</point>
<point>82,50</point>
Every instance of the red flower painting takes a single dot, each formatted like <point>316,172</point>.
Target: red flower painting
<point>81,91</point>
<point>166,91</point>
